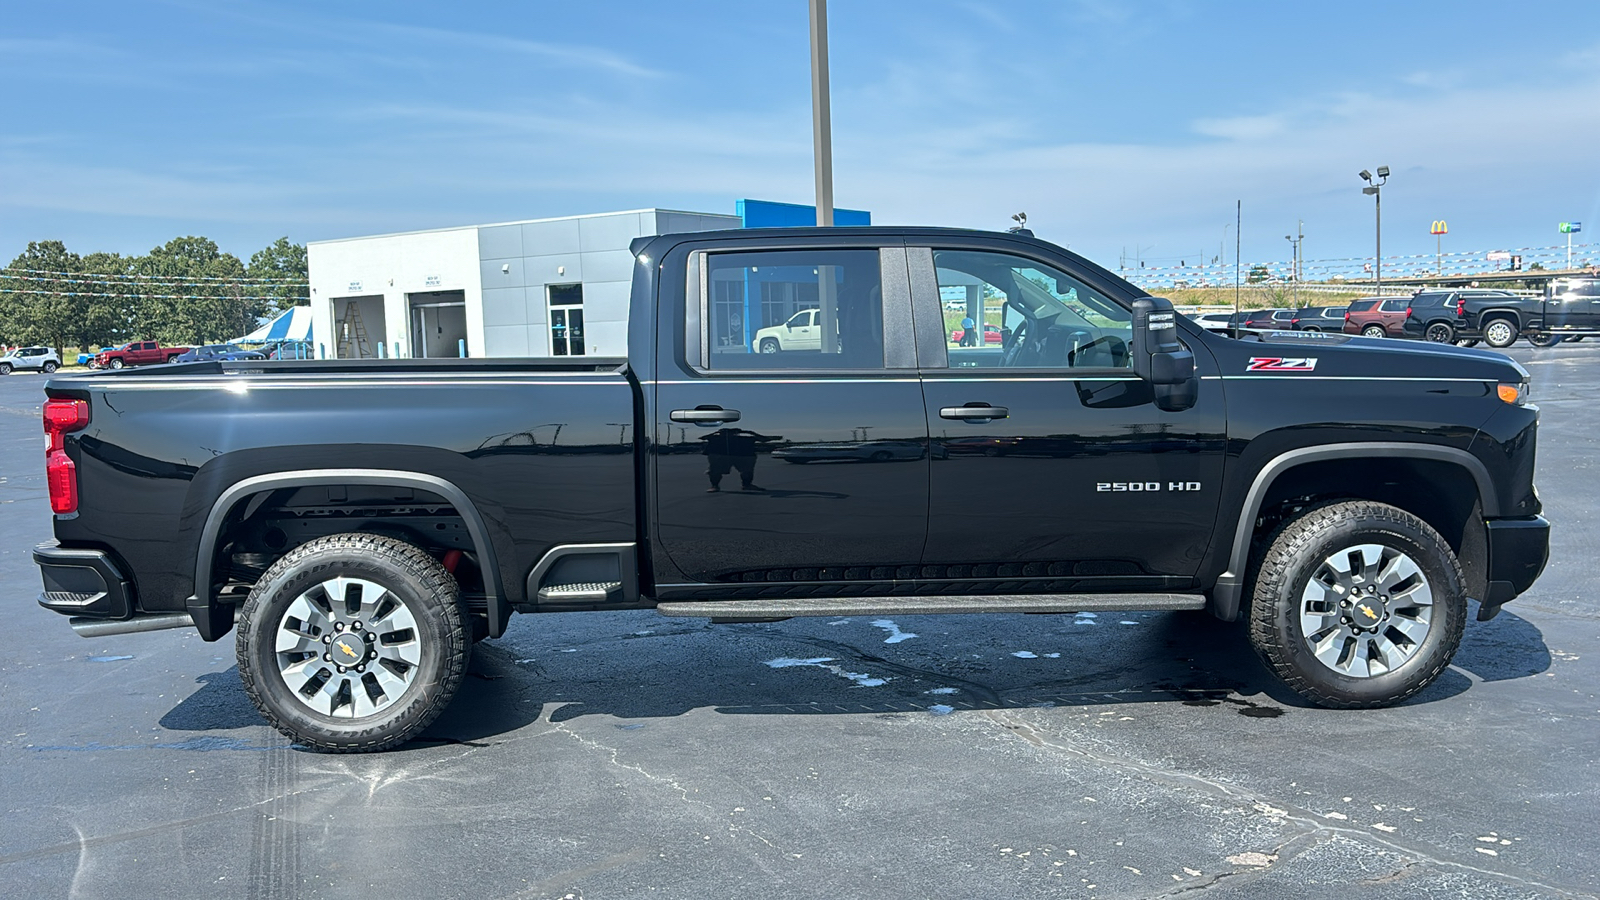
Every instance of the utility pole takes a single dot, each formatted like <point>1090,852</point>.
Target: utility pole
<point>821,125</point>
<point>1238,219</point>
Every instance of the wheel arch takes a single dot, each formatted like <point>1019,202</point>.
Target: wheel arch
<point>213,620</point>
<point>1280,474</point>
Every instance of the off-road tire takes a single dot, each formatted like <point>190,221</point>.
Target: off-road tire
<point>1374,331</point>
<point>1297,548</point>
<point>408,573</point>
<point>1499,333</point>
<point>1440,333</point>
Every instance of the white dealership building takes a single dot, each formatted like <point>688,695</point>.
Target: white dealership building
<point>541,287</point>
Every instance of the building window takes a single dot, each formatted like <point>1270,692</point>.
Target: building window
<point>566,319</point>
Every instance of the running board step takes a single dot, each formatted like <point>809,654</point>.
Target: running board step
<point>772,608</point>
<point>586,592</point>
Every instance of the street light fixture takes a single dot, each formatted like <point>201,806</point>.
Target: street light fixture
<point>1374,188</point>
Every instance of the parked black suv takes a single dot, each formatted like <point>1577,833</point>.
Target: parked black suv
<point>1468,315</point>
<point>1318,318</point>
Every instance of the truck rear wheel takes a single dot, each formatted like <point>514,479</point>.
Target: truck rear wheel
<point>1441,333</point>
<point>1357,605</point>
<point>353,642</point>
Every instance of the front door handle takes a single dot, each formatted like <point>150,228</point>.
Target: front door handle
<point>974,411</point>
<point>705,415</point>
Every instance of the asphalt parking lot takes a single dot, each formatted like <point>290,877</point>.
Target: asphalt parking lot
<point>627,754</point>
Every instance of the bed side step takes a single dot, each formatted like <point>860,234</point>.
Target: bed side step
<point>771,608</point>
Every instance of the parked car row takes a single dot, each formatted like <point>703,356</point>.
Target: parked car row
<point>1568,310</point>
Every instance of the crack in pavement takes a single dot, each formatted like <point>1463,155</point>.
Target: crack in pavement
<point>613,754</point>
<point>1309,822</point>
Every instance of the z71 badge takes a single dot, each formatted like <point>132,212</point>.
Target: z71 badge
<point>1281,364</point>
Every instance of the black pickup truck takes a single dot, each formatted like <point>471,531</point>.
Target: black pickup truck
<point>359,524</point>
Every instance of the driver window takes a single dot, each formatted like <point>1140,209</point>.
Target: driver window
<point>1004,311</point>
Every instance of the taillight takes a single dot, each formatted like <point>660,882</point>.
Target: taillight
<point>61,474</point>
<point>1347,315</point>
<point>1461,306</point>
<point>1408,312</point>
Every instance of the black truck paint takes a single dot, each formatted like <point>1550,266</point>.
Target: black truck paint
<point>588,484</point>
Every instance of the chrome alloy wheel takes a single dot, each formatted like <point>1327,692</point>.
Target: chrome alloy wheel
<point>1500,333</point>
<point>1366,610</point>
<point>348,648</point>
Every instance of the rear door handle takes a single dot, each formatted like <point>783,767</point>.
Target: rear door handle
<point>974,412</point>
<point>705,415</point>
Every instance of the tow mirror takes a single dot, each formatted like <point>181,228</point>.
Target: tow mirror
<point>1159,357</point>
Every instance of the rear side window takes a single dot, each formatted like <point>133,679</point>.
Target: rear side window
<point>1362,305</point>
<point>1428,301</point>
<point>1398,305</point>
<point>795,309</point>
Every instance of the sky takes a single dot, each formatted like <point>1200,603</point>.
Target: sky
<point>1120,128</point>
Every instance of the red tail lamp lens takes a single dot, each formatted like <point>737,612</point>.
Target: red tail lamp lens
<point>61,474</point>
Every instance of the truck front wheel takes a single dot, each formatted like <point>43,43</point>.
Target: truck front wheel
<point>353,642</point>
<point>769,345</point>
<point>1357,605</point>
<point>1499,333</point>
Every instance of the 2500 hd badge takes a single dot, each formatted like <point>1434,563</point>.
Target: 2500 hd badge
<point>1148,487</point>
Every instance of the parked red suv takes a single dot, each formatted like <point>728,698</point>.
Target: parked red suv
<point>137,353</point>
<point>1377,316</point>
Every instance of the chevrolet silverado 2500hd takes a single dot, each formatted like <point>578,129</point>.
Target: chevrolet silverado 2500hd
<point>359,524</point>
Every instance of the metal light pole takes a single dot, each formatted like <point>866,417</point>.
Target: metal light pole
<point>1295,258</point>
<point>1374,188</point>
<point>821,126</point>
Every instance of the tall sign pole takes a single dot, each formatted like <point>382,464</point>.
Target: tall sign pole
<point>1568,229</point>
<point>1439,230</point>
<point>821,126</point>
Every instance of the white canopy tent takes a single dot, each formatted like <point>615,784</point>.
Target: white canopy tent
<point>295,324</point>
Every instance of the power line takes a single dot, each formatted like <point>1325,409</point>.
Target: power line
<point>231,283</point>
<point>137,276</point>
<point>112,296</point>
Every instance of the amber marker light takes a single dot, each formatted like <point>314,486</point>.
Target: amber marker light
<point>1514,393</point>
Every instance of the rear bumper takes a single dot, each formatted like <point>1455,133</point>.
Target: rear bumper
<point>1518,551</point>
<point>84,583</point>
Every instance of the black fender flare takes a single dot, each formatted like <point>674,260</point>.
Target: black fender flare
<point>1227,594</point>
<point>213,621</point>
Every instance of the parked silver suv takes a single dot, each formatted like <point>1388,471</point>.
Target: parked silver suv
<point>41,359</point>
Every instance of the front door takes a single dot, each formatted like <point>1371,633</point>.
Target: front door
<point>1052,468</point>
<point>789,466</point>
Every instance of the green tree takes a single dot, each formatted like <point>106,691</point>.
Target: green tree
<point>41,299</point>
<point>284,263</point>
<point>193,293</point>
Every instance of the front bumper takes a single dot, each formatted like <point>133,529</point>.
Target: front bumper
<point>1518,551</point>
<point>82,583</point>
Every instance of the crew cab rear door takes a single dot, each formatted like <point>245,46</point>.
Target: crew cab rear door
<point>1052,468</point>
<point>793,468</point>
